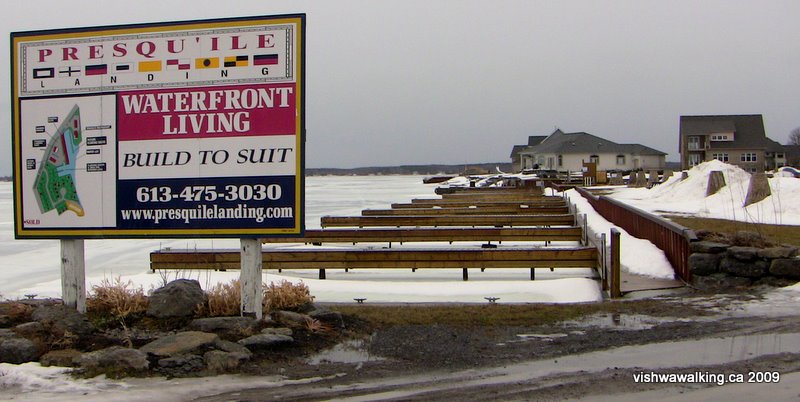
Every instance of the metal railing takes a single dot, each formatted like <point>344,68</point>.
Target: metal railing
<point>668,236</point>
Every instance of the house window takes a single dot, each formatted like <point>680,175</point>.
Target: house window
<point>749,157</point>
<point>779,155</point>
<point>560,160</point>
<point>721,137</point>
<point>694,143</point>
<point>694,159</point>
<point>594,159</point>
<point>720,157</point>
<point>620,159</point>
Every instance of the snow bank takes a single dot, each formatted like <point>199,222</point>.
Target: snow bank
<point>688,197</point>
<point>639,256</point>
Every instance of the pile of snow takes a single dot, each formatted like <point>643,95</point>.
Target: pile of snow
<point>688,197</point>
<point>639,256</point>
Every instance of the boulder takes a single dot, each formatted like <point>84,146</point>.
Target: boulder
<point>115,362</point>
<point>178,298</point>
<point>232,347</point>
<point>743,253</point>
<point>227,325</point>
<point>708,247</point>
<point>180,365</point>
<point>60,320</point>
<point>290,318</point>
<point>218,361</point>
<point>265,341</point>
<point>61,358</point>
<point>785,268</point>
<point>749,239</point>
<point>329,317</point>
<point>746,269</point>
<point>16,350</point>
<point>31,330</point>
<point>704,263</point>
<point>772,253</point>
<point>180,343</point>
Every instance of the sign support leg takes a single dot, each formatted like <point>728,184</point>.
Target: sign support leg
<point>250,278</point>
<point>73,274</point>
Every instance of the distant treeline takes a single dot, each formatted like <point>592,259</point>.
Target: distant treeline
<point>6,178</point>
<point>472,168</point>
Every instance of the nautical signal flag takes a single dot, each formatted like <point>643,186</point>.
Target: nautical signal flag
<point>206,62</point>
<point>123,68</point>
<point>236,61</point>
<point>179,64</point>
<point>39,73</point>
<point>148,66</point>
<point>97,69</point>
<point>69,71</point>
<point>265,59</point>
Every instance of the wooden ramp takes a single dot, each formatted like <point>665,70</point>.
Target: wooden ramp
<point>477,210</point>
<point>635,283</point>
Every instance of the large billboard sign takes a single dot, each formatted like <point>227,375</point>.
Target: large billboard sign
<point>175,130</point>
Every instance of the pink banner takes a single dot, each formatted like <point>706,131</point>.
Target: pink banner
<point>209,112</point>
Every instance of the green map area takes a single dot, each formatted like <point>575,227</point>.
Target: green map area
<point>55,181</point>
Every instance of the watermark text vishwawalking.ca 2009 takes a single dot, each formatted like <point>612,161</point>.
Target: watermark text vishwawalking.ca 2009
<point>706,377</point>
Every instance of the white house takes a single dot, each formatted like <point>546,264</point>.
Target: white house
<point>567,151</point>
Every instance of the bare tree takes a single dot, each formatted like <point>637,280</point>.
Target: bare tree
<point>794,137</point>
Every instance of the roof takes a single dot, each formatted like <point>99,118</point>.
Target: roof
<point>560,142</point>
<point>748,130</point>
<point>535,139</point>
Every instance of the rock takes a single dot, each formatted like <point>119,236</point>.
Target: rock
<point>777,252</point>
<point>6,321</point>
<point>749,239</point>
<point>178,298</point>
<point>264,341</point>
<point>704,263</point>
<point>31,330</point>
<point>232,347</point>
<point>708,247</point>
<point>329,317</point>
<point>743,253</point>
<point>751,269</point>
<point>221,362</point>
<point>785,268</point>
<point>278,331</point>
<point>115,362</point>
<point>17,350</point>
<point>61,358</point>
<point>180,343</point>
<point>290,318</point>
<point>60,320</point>
<point>180,365</point>
<point>7,333</point>
<point>719,281</point>
<point>228,325</point>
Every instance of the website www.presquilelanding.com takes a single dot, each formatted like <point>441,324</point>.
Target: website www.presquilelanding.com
<point>205,212</point>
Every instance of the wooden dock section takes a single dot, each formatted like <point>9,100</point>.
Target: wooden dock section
<point>477,210</point>
<point>448,220</point>
<point>407,235</point>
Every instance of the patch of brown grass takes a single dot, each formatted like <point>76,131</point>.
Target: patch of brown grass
<point>117,299</point>
<point>223,300</point>
<point>286,295</point>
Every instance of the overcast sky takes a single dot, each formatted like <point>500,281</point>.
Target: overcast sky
<point>417,82</point>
